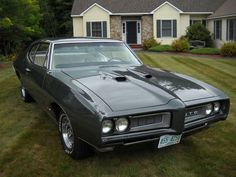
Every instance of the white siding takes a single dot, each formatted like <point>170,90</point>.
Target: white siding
<point>78,26</point>
<point>96,14</point>
<point>167,12</point>
<point>210,26</point>
<point>184,22</point>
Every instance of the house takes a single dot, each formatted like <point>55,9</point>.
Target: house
<point>222,23</point>
<point>133,21</point>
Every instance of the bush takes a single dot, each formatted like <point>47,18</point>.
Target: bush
<point>180,45</point>
<point>199,32</point>
<point>148,43</point>
<point>7,59</point>
<point>209,51</point>
<point>229,49</point>
<point>161,48</point>
<point>3,58</point>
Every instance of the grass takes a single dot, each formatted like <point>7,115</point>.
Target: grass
<point>30,144</point>
<point>208,51</point>
<point>161,48</point>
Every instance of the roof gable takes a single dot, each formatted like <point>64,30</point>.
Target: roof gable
<point>95,4</point>
<point>167,3</point>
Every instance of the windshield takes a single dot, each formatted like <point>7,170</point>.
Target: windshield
<point>92,54</point>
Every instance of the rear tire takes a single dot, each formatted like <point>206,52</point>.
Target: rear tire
<point>25,96</point>
<point>72,145</point>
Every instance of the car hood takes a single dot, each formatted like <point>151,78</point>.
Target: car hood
<point>124,88</point>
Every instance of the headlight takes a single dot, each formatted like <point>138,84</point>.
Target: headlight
<point>216,107</point>
<point>209,108</point>
<point>107,126</point>
<point>122,124</point>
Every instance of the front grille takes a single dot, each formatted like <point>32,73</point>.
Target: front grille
<point>150,121</point>
<point>195,113</point>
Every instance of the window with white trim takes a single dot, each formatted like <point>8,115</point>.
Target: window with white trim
<point>139,27</point>
<point>97,29</point>
<point>124,27</point>
<point>166,28</point>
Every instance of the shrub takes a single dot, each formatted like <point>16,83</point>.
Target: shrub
<point>209,51</point>
<point>7,59</point>
<point>199,32</point>
<point>180,45</point>
<point>161,48</point>
<point>148,43</point>
<point>3,58</point>
<point>229,49</point>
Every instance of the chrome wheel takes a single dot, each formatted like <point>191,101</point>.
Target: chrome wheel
<point>67,132</point>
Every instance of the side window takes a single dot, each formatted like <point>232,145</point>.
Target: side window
<point>41,55</point>
<point>32,53</point>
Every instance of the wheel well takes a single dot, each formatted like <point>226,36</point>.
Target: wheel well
<point>56,110</point>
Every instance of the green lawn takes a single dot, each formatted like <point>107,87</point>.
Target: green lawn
<point>29,143</point>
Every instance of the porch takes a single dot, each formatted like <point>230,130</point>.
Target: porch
<point>132,29</point>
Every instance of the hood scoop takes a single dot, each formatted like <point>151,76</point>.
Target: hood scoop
<point>121,79</point>
<point>114,76</point>
<point>141,74</point>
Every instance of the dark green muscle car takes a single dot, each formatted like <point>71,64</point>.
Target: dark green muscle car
<point>102,96</point>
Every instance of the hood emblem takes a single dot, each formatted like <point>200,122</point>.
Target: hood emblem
<point>191,113</point>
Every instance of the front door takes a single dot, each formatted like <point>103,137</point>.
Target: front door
<point>36,71</point>
<point>131,32</point>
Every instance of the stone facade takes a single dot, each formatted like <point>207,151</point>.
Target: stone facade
<point>147,27</point>
<point>116,27</point>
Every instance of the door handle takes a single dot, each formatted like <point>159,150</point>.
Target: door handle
<point>27,70</point>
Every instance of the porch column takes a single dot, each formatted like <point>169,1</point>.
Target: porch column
<point>147,27</point>
<point>116,27</point>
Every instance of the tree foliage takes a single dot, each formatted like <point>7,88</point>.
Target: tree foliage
<point>19,23</point>
<point>199,32</point>
<point>56,17</point>
<point>22,21</point>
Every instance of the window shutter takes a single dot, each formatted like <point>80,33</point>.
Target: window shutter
<point>88,28</point>
<point>214,29</point>
<point>174,28</point>
<point>191,22</point>
<point>234,29</point>
<point>220,29</point>
<point>227,30</point>
<point>204,22</point>
<point>158,28</point>
<point>104,24</point>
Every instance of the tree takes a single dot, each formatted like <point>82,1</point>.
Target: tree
<point>199,32</point>
<point>56,20</point>
<point>19,23</point>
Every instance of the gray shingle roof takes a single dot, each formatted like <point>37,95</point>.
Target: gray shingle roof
<point>146,6</point>
<point>228,8</point>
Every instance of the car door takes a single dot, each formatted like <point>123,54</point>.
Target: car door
<point>36,70</point>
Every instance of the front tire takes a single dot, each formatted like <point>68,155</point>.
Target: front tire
<point>72,145</point>
<point>25,96</point>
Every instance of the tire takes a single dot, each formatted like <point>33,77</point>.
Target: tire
<point>25,96</point>
<point>72,145</point>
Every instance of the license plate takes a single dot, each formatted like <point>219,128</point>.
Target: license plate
<point>168,140</point>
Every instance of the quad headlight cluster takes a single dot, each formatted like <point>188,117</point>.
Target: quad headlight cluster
<point>212,108</point>
<point>120,125</point>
